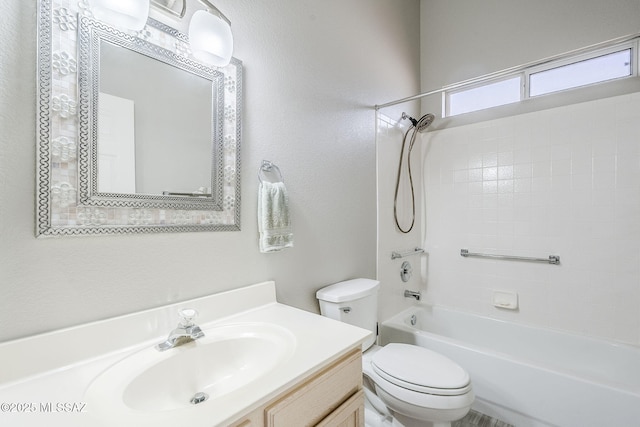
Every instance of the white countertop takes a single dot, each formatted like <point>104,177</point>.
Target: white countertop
<point>44,378</point>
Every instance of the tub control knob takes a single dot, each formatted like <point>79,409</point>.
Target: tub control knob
<point>406,271</point>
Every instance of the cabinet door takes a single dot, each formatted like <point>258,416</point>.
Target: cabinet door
<point>349,414</point>
<point>253,419</point>
<point>316,398</point>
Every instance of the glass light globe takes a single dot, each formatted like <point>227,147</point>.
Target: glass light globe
<point>130,14</point>
<point>210,39</point>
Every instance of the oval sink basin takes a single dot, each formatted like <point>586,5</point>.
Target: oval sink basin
<point>224,360</point>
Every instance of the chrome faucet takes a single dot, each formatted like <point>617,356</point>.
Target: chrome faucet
<point>186,331</point>
<point>412,294</point>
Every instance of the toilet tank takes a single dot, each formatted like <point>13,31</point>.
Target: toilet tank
<point>354,302</point>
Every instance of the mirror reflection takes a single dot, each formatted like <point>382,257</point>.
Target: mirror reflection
<point>154,126</point>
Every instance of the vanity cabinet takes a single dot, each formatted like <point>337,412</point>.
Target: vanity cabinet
<point>332,397</point>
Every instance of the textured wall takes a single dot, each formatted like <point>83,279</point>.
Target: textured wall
<point>312,72</point>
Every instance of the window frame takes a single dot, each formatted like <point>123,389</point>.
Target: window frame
<point>526,71</point>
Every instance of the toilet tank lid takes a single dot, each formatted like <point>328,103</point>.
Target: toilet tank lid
<point>348,290</point>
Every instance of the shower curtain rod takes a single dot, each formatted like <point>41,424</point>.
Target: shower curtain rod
<point>513,70</point>
<point>411,98</point>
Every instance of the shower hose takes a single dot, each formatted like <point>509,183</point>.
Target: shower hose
<point>414,130</point>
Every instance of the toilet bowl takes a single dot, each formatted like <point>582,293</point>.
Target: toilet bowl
<point>405,385</point>
<point>419,386</point>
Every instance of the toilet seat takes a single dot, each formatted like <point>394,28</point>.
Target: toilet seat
<point>420,370</point>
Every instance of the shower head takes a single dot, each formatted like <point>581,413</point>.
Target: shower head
<point>422,124</point>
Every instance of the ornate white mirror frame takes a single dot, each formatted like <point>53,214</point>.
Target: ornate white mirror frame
<point>67,200</point>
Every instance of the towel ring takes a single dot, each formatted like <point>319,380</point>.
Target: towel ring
<point>268,167</point>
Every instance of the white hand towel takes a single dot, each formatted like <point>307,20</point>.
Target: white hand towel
<point>274,223</point>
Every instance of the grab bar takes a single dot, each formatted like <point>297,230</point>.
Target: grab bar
<point>396,255</point>
<point>553,259</point>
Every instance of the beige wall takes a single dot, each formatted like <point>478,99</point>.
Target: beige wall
<point>312,72</point>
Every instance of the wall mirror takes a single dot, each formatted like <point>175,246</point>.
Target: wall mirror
<point>135,135</point>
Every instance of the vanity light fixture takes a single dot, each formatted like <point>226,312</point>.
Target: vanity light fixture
<point>209,31</point>
<point>210,36</point>
<point>129,14</point>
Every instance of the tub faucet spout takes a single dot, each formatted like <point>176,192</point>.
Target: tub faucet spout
<point>412,294</point>
<point>186,331</point>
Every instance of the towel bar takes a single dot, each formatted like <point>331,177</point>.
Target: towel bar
<point>268,167</point>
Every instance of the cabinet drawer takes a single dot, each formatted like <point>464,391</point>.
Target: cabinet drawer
<point>316,398</point>
<point>349,414</point>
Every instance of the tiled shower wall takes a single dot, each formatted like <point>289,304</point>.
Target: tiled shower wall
<point>563,181</point>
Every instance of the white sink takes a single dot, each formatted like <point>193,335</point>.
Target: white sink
<point>226,359</point>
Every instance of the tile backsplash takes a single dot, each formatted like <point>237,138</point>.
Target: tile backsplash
<point>562,181</point>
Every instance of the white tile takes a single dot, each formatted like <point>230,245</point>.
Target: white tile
<point>604,147</point>
<point>475,201</point>
<point>541,169</point>
<point>489,187</point>
<point>604,181</point>
<point>604,164</point>
<point>505,158</point>
<point>475,174</point>
<point>522,170</point>
<point>475,188</point>
<point>490,160</point>
<point>460,176</point>
<point>627,179</point>
<point>581,182</point>
<point>540,183</point>
<point>561,183</point>
<point>561,167</point>
<point>475,161</point>
<point>506,200</point>
<point>522,156</point>
<point>505,172</point>
<point>628,145</point>
<point>627,200</point>
<point>522,185</point>
<point>505,186</point>
<point>561,152</point>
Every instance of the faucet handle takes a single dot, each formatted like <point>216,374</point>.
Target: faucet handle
<point>187,315</point>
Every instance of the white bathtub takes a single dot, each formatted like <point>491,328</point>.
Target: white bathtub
<point>527,376</point>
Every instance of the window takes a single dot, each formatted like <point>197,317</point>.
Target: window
<point>587,67</point>
<point>485,96</point>
<point>582,73</point>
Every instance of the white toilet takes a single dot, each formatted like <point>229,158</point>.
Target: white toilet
<point>405,385</point>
